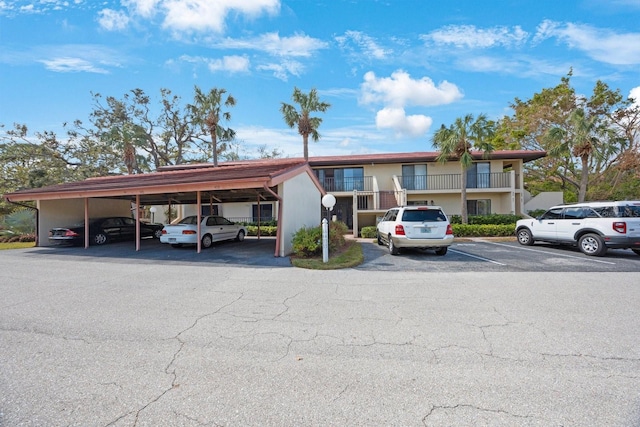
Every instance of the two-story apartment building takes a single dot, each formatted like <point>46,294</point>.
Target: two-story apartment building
<point>365,186</point>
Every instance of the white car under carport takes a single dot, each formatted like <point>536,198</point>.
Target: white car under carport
<point>212,229</point>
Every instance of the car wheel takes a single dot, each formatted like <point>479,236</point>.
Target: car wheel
<point>240,236</point>
<point>380,242</point>
<point>158,233</point>
<point>441,251</point>
<point>100,239</point>
<point>525,237</point>
<point>207,241</point>
<point>592,244</point>
<point>392,248</point>
<point>636,251</point>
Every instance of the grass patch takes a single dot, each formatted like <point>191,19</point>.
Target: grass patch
<point>17,245</point>
<point>349,255</point>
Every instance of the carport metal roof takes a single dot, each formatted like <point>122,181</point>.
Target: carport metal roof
<point>238,182</point>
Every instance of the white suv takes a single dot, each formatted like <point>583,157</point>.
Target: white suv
<point>592,226</point>
<point>422,227</point>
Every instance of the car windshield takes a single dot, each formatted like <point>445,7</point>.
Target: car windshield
<point>422,215</point>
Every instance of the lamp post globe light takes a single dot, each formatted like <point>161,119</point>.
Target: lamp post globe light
<point>329,201</point>
<point>153,211</point>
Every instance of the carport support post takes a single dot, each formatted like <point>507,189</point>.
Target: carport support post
<point>137,222</point>
<point>199,220</point>
<point>86,222</point>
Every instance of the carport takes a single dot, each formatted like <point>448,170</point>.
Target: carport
<point>290,183</point>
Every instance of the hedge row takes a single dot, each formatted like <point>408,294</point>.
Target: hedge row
<point>483,230</point>
<point>20,238</point>
<point>268,230</point>
<point>505,219</point>
<point>461,230</point>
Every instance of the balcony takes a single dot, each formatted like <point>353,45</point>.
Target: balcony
<point>379,200</point>
<point>454,182</point>
<point>333,185</point>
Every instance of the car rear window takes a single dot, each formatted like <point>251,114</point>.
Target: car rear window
<point>423,215</point>
<point>629,211</point>
<point>189,220</point>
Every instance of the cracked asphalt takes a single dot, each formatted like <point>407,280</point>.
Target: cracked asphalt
<point>104,341</point>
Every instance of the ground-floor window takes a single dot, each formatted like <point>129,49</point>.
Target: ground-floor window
<point>210,210</point>
<point>264,212</point>
<point>479,207</point>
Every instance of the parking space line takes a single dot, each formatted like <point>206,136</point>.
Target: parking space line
<point>476,257</point>
<point>555,254</point>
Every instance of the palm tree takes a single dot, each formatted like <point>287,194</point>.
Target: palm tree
<point>207,112</point>
<point>457,141</point>
<point>579,139</point>
<point>306,125</point>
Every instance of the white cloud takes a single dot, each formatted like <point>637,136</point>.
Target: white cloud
<point>144,8</point>
<point>635,94</point>
<point>112,20</point>
<point>397,120</point>
<point>72,65</point>
<point>470,36</point>
<point>89,58</point>
<point>600,44</point>
<point>400,90</point>
<point>298,45</point>
<point>208,15</point>
<point>231,64</point>
<point>366,44</point>
<point>283,69</point>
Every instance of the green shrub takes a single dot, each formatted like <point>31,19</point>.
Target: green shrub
<point>265,230</point>
<point>486,219</point>
<point>369,232</point>
<point>483,230</point>
<point>13,238</point>
<point>21,221</point>
<point>269,223</point>
<point>536,213</point>
<point>307,242</point>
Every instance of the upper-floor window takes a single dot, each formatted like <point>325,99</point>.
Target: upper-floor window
<point>414,177</point>
<point>344,179</point>
<point>479,175</point>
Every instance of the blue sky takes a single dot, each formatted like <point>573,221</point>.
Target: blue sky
<point>393,70</point>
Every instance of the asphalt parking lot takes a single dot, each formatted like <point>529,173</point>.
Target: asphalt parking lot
<point>483,255</point>
<point>113,337</point>
<point>464,255</point>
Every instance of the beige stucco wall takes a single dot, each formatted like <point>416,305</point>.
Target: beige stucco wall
<point>62,213</point>
<point>301,208</point>
<point>384,172</point>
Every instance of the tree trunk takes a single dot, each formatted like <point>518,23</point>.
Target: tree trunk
<point>305,143</point>
<point>214,147</point>
<point>463,196</point>
<point>584,179</point>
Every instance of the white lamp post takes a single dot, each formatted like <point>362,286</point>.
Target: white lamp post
<point>153,211</point>
<point>328,201</point>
